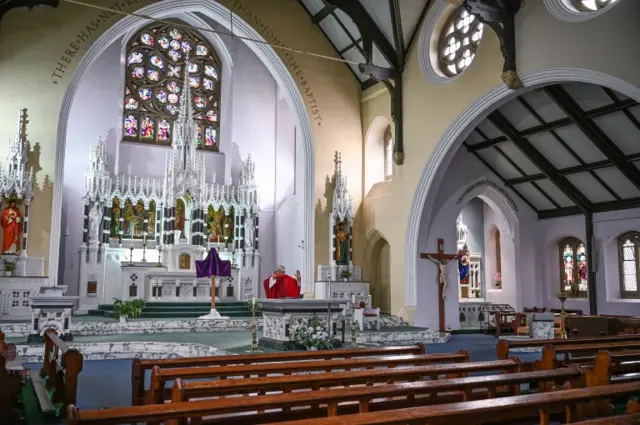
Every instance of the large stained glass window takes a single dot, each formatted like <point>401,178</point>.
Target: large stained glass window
<point>459,41</point>
<point>155,66</point>
<point>629,262</point>
<point>573,267</point>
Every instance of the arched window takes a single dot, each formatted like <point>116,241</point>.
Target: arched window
<point>388,154</point>
<point>592,5</point>
<point>459,41</point>
<point>628,260</point>
<point>498,276</point>
<point>573,267</point>
<point>155,67</point>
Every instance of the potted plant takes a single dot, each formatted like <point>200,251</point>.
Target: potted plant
<point>346,275</point>
<point>312,334</point>
<point>9,266</point>
<point>498,279</point>
<point>122,310</point>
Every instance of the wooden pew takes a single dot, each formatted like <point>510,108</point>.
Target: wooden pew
<point>159,377</point>
<point>507,409</point>
<point>585,353</point>
<point>317,381</point>
<point>10,387</point>
<point>609,368</point>
<point>633,419</point>
<point>503,346</point>
<point>60,370</point>
<point>140,367</point>
<point>377,398</point>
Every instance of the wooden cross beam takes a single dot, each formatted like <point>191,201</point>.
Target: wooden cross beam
<point>441,258</point>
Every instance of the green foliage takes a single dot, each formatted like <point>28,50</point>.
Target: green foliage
<point>9,266</point>
<point>131,309</point>
<point>312,333</point>
<point>346,274</point>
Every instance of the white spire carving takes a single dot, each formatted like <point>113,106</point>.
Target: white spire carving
<point>247,177</point>
<point>98,178</point>
<point>14,175</point>
<point>342,207</point>
<point>463,230</point>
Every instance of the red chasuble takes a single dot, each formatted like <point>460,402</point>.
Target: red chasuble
<point>277,290</point>
<point>291,287</point>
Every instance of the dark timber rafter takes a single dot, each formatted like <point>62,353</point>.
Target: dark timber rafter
<point>527,148</point>
<point>499,15</point>
<point>390,77</point>
<point>593,132</point>
<point>7,5</point>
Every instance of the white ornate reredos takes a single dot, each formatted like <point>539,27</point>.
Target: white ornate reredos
<point>15,177</point>
<point>184,177</point>
<point>342,206</point>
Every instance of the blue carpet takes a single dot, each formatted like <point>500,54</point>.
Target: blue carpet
<point>107,383</point>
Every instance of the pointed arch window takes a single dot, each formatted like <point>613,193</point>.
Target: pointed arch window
<point>498,251</point>
<point>573,267</point>
<point>155,67</point>
<point>388,154</point>
<point>629,263</point>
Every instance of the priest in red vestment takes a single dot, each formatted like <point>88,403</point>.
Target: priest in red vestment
<point>279,285</point>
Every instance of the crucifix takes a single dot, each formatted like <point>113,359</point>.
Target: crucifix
<point>441,259</point>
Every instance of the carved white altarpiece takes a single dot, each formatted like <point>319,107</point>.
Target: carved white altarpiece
<point>143,235</point>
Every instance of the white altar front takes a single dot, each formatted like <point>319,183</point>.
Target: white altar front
<point>341,290</point>
<point>280,314</point>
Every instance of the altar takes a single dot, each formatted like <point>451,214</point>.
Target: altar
<point>279,314</point>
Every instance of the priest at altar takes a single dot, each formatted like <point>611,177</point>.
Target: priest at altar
<point>279,285</point>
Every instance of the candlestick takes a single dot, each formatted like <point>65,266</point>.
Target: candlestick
<point>159,256</point>
<point>131,254</point>
<point>144,252</point>
<point>254,328</point>
<point>562,296</point>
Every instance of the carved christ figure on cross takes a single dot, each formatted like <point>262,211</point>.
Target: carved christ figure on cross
<point>441,259</point>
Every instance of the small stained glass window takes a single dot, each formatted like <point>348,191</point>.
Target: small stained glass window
<point>459,41</point>
<point>155,71</point>
<point>629,264</point>
<point>573,267</point>
<point>592,5</point>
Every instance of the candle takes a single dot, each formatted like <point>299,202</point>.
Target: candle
<point>253,301</point>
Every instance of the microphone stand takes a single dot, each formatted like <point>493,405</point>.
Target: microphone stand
<point>329,309</point>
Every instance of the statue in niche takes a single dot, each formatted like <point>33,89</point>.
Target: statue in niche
<point>180,215</point>
<point>249,231</point>
<point>341,244</point>
<point>133,219</point>
<point>184,262</point>
<point>463,268</point>
<point>115,217</point>
<point>95,218</point>
<point>215,219</point>
<point>11,228</point>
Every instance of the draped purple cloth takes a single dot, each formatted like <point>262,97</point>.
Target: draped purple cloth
<point>213,266</point>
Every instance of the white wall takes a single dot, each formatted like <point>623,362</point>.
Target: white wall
<point>607,227</point>
<point>253,121</point>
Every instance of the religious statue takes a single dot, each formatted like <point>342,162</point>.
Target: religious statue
<point>279,285</point>
<point>463,265</point>
<point>341,245</point>
<point>133,221</point>
<point>180,215</point>
<point>115,217</point>
<point>228,228</point>
<point>11,228</point>
<point>442,277</point>
<point>95,219</point>
<point>249,231</point>
<point>151,219</point>
<point>214,222</point>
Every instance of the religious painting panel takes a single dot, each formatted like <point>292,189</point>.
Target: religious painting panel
<point>184,261</point>
<point>180,215</point>
<point>12,222</point>
<point>133,223</point>
<point>156,66</point>
<point>228,226</point>
<point>115,217</point>
<point>341,243</point>
<point>573,267</point>
<point>215,224</point>
<point>151,220</point>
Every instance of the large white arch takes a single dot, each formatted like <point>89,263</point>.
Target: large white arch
<point>458,131</point>
<point>265,53</point>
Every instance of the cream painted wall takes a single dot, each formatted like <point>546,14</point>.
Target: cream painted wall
<point>430,109</point>
<point>47,37</point>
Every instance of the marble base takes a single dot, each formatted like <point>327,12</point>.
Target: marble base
<point>213,315</point>
<point>125,350</point>
<point>426,336</point>
<point>276,344</point>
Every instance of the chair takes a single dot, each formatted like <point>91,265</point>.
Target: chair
<point>363,312</point>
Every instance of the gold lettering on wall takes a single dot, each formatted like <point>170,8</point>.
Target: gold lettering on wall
<point>102,19</point>
<point>271,37</point>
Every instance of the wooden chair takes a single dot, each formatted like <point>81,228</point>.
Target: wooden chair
<point>364,313</point>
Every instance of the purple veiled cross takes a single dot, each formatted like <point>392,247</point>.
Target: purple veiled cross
<point>213,266</point>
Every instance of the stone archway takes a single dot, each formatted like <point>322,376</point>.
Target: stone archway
<point>263,51</point>
<point>426,190</point>
<point>379,257</point>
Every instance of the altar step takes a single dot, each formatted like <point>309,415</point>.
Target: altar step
<point>156,310</point>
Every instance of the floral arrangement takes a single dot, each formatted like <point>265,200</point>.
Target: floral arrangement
<point>346,274</point>
<point>498,279</point>
<point>312,334</point>
<point>127,309</point>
